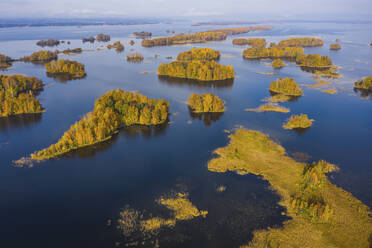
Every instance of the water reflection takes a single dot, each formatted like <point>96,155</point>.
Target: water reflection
<point>195,84</point>
<point>364,94</point>
<point>207,118</point>
<point>63,78</point>
<point>18,121</point>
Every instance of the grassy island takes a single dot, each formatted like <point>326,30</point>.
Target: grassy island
<point>135,57</point>
<point>273,53</point>
<point>253,42</point>
<point>322,214</point>
<point>49,42</point>
<point>278,64</point>
<point>301,42</point>
<point>41,56</point>
<point>117,46</point>
<point>17,95</point>
<point>90,39</point>
<point>103,37</point>
<point>5,61</point>
<point>200,37</point>
<point>364,84</point>
<point>314,61</point>
<point>65,67</point>
<point>197,69</point>
<point>298,121</point>
<point>286,86</point>
<point>199,54</point>
<point>269,107</point>
<point>206,103</point>
<point>71,51</point>
<point>112,111</point>
<point>335,47</point>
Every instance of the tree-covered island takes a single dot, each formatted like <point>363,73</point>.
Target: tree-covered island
<point>66,67</point>
<point>206,103</point>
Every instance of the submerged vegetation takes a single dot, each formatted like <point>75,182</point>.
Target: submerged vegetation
<point>298,121</point>
<point>273,53</point>
<point>335,47</point>
<point>254,42</point>
<point>364,84</point>
<point>5,61</point>
<point>49,42</point>
<point>286,86</point>
<point>205,103</point>
<point>17,95</point>
<point>112,111</point>
<point>301,42</point>
<point>200,37</point>
<point>278,64</point>
<point>65,67</point>
<point>322,215</point>
<point>199,54</point>
<point>40,56</point>
<point>135,57</point>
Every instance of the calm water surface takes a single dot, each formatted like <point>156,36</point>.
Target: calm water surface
<point>67,202</point>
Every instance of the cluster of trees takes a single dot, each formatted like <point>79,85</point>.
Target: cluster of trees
<point>103,37</point>
<point>117,46</point>
<point>314,61</point>
<point>273,53</point>
<point>17,95</point>
<point>365,84</point>
<point>90,39</point>
<point>277,64</point>
<point>298,121</point>
<point>142,34</point>
<point>41,56</point>
<point>199,37</point>
<point>65,66</point>
<point>5,61</point>
<point>301,42</point>
<point>206,103</point>
<point>254,42</point>
<point>241,30</point>
<point>286,86</point>
<point>49,42</point>
<point>113,110</point>
<point>199,54</point>
<point>335,47</point>
<point>135,57</point>
<point>207,70</point>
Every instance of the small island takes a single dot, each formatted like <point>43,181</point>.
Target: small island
<point>117,46</point>
<point>41,56</point>
<point>49,42</point>
<point>17,95</point>
<point>335,47</point>
<point>142,34</point>
<point>103,37</point>
<point>206,103</point>
<point>301,42</point>
<point>199,54</point>
<point>364,84</point>
<point>253,42</point>
<point>286,86</point>
<point>278,64</point>
<point>71,51</point>
<point>273,53</point>
<point>90,39</point>
<point>298,122</point>
<point>241,30</point>
<point>269,107</point>
<point>315,61</point>
<point>5,61</point>
<point>66,67</point>
<point>112,111</point>
<point>135,57</point>
<point>131,42</point>
<point>321,214</point>
<point>200,37</point>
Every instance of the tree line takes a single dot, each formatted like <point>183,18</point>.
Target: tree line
<point>273,53</point>
<point>301,42</point>
<point>253,42</point>
<point>40,56</point>
<point>5,61</point>
<point>199,54</point>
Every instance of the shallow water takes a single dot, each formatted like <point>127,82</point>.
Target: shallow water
<point>67,202</point>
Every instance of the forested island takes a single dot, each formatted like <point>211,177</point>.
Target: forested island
<point>41,56</point>
<point>66,67</point>
<point>241,30</point>
<point>321,214</point>
<point>17,95</point>
<point>278,64</point>
<point>142,34</point>
<point>200,37</point>
<point>314,61</point>
<point>112,111</point>
<point>90,39</point>
<point>5,61</point>
<point>273,53</point>
<point>199,54</point>
<point>286,86</point>
<point>117,46</point>
<point>364,84</point>
<point>301,42</point>
<point>103,37</point>
<point>298,122</point>
<point>135,57</point>
<point>49,42</point>
<point>206,103</point>
<point>253,42</point>
<point>335,47</point>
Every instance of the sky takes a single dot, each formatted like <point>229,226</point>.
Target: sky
<point>238,9</point>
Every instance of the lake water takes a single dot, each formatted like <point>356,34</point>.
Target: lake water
<point>68,202</point>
